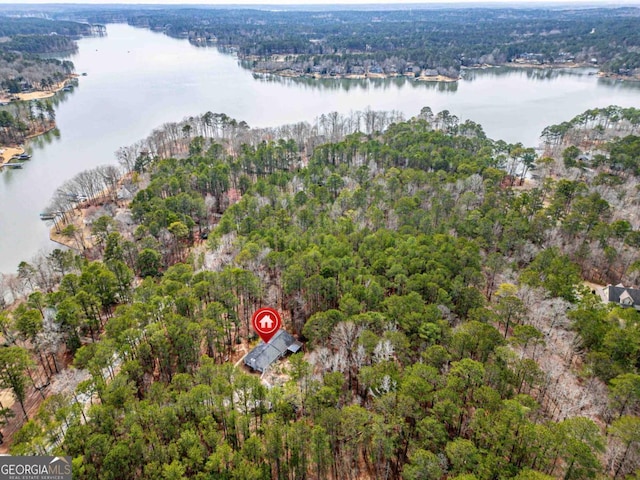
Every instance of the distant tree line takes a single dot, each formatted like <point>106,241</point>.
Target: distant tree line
<point>405,41</point>
<point>39,35</point>
<point>13,26</point>
<point>40,44</point>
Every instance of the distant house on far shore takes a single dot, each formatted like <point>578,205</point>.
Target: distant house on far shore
<point>430,72</point>
<point>623,296</point>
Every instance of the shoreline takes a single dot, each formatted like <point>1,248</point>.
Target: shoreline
<point>617,76</point>
<point>288,73</point>
<point>78,218</point>
<point>51,126</point>
<point>80,213</point>
<point>8,152</point>
<point>554,66</point>
<point>42,94</point>
<point>546,66</point>
<point>39,94</point>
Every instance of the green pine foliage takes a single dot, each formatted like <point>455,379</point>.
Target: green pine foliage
<point>382,252</point>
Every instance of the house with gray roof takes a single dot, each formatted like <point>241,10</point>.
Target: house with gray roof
<point>623,296</point>
<point>265,354</point>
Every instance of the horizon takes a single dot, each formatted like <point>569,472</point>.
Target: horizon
<point>388,5</point>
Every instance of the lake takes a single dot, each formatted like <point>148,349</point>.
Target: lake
<point>137,80</point>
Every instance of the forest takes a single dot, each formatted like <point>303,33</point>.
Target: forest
<point>22,120</point>
<point>38,35</point>
<point>436,277</point>
<point>40,44</point>
<point>23,38</point>
<point>23,72</point>
<point>20,72</point>
<point>11,26</point>
<point>404,42</point>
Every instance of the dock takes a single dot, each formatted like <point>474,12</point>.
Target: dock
<point>51,215</point>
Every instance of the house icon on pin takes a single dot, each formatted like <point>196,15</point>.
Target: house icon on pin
<point>266,322</point>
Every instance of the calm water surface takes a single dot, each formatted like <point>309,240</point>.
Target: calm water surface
<point>136,80</point>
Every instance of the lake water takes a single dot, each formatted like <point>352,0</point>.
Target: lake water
<point>136,80</point>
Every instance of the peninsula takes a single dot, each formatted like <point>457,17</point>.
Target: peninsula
<point>426,283</point>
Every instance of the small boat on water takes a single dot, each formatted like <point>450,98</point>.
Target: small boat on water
<point>13,165</point>
<point>47,216</point>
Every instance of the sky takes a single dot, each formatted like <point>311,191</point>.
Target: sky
<point>387,3</point>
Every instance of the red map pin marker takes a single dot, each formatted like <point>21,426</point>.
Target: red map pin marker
<point>266,322</point>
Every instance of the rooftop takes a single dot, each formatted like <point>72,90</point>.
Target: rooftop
<point>620,294</point>
<point>264,354</point>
